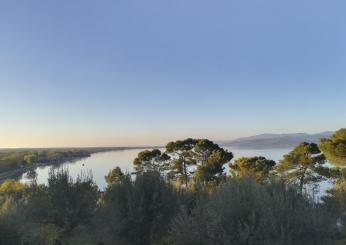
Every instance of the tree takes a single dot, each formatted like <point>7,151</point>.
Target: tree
<point>182,157</point>
<point>11,186</point>
<point>30,159</point>
<point>302,164</point>
<point>114,176</point>
<point>257,167</point>
<point>336,201</point>
<point>334,148</point>
<point>211,167</point>
<point>31,174</point>
<point>150,160</point>
<point>204,148</point>
<point>200,158</point>
<point>63,202</point>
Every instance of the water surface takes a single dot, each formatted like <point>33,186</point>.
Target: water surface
<point>101,163</point>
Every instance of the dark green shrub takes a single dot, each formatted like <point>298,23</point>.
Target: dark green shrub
<point>245,213</point>
<point>138,212</point>
<point>9,231</point>
<point>63,202</point>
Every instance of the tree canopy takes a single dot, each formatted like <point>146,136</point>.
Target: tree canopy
<point>334,148</point>
<point>199,158</point>
<point>114,176</point>
<point>150,160</point>
<point>11,186</point>
<point>183,159</point>
<point>257,167</point>
<point>302,163</point>
<point>249,208</point>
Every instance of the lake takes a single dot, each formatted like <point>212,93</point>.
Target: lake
<point>101,163</point>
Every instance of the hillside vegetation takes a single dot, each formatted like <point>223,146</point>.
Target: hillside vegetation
<point>182,196</point>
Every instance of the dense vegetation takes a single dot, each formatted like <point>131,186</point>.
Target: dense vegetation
<point>19,159</point>
<point>182,196</point>
<point>149,210</point>
<point>335,147</point>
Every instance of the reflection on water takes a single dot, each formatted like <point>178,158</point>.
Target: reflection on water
<point>101,163</point>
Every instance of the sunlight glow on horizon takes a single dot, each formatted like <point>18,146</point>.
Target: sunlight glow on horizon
<point>127,74</point>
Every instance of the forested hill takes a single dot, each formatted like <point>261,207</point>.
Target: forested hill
<point>270,141</point>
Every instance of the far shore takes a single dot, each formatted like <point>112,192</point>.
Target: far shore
<point>16,173</point>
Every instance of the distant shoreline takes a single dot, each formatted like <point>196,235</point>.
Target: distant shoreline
<point>90,149</point>
<point>236,147</point>
<point>15,173</point>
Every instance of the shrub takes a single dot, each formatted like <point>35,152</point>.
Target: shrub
<point>245,213</point>
<point>138,212</point>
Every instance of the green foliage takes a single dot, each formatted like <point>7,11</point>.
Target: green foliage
<point>10,186</point>
<point>181,146</point>
<point>147,209</point>
<point>10,226</point>
<point>138,212</point>
<point>9,232</point>
<point>150,160</point>
<point>204,148</point>
<point>49,234</point>
<point>114,176</point>
<point>63,202</point>
<point>183,159</point>
<point>30,159</point>
<point>17,159</point>
<point>7,164</point>
<point>337,198</point>
<point>301,164</point>
<point>41,215</point>
<point>211,167</point>
<point>245,213</point>
<point>257,167</point>
<point>335,201</point>
<point>334,148</point>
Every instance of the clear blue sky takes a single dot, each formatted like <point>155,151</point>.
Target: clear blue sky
<point>123,72</point>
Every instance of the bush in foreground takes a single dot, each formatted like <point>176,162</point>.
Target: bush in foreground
<point>243,212</point>
<point>137,212</point>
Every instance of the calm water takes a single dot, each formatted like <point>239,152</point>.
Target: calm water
<point>101,163</point>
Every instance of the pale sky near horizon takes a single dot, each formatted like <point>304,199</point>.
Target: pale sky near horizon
<point>125,72</point>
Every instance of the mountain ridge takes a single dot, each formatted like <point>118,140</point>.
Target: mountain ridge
<point>270,140</point>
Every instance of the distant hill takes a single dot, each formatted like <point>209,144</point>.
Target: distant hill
<point>269,141</point>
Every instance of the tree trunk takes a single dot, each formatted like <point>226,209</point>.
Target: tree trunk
<point>301,181</point>
<point>185,172</point>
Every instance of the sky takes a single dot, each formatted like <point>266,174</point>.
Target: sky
<point>128,73</point>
